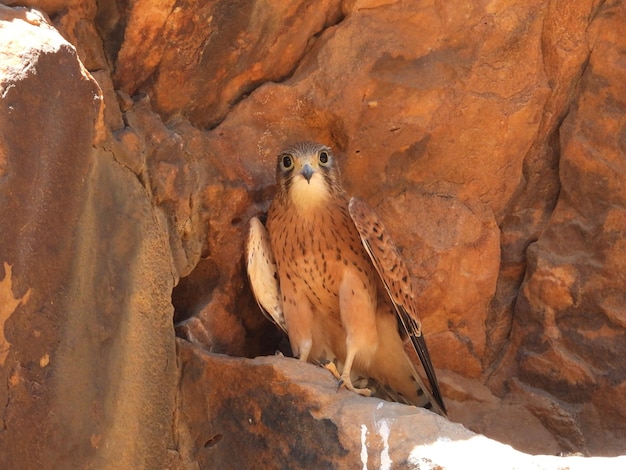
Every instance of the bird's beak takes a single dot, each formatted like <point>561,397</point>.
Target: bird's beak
<point>307,172</point>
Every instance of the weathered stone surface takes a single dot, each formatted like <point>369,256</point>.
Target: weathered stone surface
<point>86,350</point>
<point>471,146</point>
<point>570,323</point>
<point>565,48</point>
<point>489,135</point>
<point>49,6</point>
<point>446,106</point>
<point>213,53</point>
<point>275,412</point>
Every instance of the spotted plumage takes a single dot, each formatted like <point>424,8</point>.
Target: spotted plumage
<point>330,276</point>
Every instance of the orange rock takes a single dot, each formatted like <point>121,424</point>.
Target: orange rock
<point>569,325</point>
<point>91,363</point>
<point>489,135</point>
<point>213,54</point>
<point>275,412</point>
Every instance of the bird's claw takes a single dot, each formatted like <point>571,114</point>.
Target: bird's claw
<point>345,382</point>
<point>330,367</point>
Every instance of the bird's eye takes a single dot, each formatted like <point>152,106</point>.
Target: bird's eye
<point>287,162</point>
<point>324,157</point>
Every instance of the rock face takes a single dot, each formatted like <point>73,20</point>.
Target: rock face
<point>280,413</point>
<point>138,139</point>
<point>213,52</point>
<point>86,349</point>
<point>569,331</point>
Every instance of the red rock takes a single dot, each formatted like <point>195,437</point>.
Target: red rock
<point>275,412</point>
<point>213,53</point>
<point>87,346</point>
<point>570,343</point>
<point>489,135</point>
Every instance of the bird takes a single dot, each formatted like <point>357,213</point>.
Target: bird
<point>327,273</point>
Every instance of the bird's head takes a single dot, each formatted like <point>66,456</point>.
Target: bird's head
<point>307,174</point>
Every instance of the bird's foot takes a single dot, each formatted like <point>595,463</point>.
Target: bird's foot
<point>346,382</point>
<point>330,367</point>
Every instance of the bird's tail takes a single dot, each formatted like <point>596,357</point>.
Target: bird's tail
<point>398,382</point>
<point>420,397</point>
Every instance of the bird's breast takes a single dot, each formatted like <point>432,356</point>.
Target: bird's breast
<point>314,250</point>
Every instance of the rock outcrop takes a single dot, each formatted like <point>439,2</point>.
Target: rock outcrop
<point>281,413</point>
<point>138,138</point>
<point>87,355</point>
<point>569,336</point>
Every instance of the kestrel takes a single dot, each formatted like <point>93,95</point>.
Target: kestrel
<point>328,274</point>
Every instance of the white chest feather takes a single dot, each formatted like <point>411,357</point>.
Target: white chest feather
<point>308,194</point>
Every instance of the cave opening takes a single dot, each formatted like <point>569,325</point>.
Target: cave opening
<point>224,320</point>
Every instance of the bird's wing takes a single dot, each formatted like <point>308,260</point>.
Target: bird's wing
<point>395,277</point>
<point>262,273</point>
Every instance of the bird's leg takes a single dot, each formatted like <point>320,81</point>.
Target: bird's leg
<point>303,350</point>
<point>346,381</point>
<point>299,323</point>
<point>357,306</point>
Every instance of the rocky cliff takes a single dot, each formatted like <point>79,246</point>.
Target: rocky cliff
<point>137,139</point>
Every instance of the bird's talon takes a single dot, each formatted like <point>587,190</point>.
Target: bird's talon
<point>331,367</point>
<point>347,384</point>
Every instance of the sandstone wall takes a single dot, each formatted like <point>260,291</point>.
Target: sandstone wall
<point>87,358</point>
<point>138,138</point>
